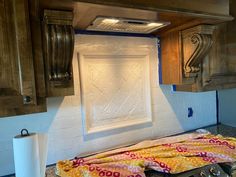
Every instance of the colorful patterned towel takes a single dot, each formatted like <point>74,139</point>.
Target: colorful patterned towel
<point>171,155</point>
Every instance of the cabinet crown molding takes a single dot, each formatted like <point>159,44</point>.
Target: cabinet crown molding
<point>56,17</point>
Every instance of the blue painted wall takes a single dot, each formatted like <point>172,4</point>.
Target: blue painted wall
<point>227,107</point>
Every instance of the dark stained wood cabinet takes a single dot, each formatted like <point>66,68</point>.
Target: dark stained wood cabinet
<point>17,77</point>
<point>32,69</point>
<point>215,70</point>
<point>221,70</point>
<point>18,93</point>
<point>183,52</point>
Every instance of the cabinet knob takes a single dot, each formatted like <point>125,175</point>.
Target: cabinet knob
<point>27,99</point>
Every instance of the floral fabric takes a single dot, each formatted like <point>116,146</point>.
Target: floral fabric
<point>170,155</point>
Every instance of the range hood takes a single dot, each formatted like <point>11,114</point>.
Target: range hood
<point>166,18</point>
<point>125,25</point>
<point>139,16</point>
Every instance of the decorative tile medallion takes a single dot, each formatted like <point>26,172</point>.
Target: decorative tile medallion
<point>115,90</point>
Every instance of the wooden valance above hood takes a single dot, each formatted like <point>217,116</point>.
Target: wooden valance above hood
<point>179,12</point>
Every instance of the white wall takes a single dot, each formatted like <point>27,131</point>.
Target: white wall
<point>227,109</point>
<point>64,125</point>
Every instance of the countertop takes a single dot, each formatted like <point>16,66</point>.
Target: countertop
<point>215,129</point>
<point>224,130</point>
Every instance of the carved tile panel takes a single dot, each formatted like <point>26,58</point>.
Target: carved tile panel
<point>115,91</point>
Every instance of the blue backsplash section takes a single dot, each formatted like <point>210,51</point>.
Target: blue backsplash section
<point>217,107</point>
<point>159,58</point>
<point>107,33</point>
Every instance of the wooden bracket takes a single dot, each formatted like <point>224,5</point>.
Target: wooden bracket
<point>196,43</point>
<point>58,46</point>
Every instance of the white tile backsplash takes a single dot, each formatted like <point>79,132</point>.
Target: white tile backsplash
<point>63,120</point>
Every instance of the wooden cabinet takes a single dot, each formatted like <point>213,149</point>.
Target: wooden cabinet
<point>28,73</point>
<point>183,54</point>
<point>200,58</point>
<point>18,71</point>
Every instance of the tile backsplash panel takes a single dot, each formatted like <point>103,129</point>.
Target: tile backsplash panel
<point>63,121</point>
<point>115,84</point>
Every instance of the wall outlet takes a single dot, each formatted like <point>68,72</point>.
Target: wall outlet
<point>190,112</point>
<point>173,88</point>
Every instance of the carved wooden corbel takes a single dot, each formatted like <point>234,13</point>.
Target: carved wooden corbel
<point>196,43</point>
<point>58,46</point>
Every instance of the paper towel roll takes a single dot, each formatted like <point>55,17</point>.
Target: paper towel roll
<point>30,154</point>
<point>26,156</point>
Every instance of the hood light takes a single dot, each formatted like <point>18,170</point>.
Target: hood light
<point>155,24</point>
<point>110,21</point>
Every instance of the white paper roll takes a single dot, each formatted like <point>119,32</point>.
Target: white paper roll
<point>26,156</point>
<point>30,154</point>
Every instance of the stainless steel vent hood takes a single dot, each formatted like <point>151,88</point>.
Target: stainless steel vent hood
<point>125,25</point>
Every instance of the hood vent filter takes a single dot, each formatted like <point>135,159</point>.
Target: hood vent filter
<point>125,25</point>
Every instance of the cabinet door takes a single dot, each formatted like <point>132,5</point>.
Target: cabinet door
<point>220,66</point>
<point>17,83</point>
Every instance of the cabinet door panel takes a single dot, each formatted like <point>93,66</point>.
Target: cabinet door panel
<point>24,50</point>
<point>9,73</point>
<point>220,66</point>
<point>17,79</point>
